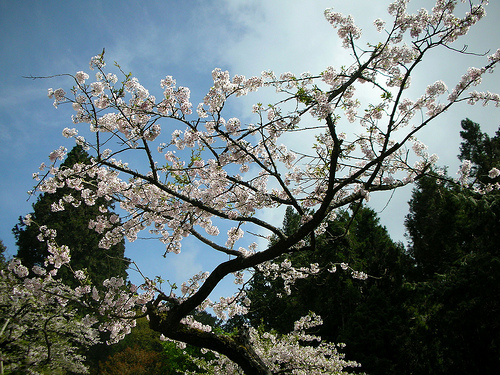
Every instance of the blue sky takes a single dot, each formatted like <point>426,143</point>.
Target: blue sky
<point>187,39</point>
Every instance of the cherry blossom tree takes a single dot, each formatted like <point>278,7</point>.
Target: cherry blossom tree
<point>181,172</point>
<point>41,325</point>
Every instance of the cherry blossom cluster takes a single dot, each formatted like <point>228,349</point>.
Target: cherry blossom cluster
<point>466,180</point>
<point>347,30</point>
<point>441,21</point>
<point>228,307</point>
<point>355,274</point>
<point>224,308</point>
<point>297,352</point>
<point>53,309</point>
<point>39,323</point>
<point>190,287</point>
<point>289,274</point>
<point>493,173</point>
<point>191,322</point>
<point>464,173</point>
<point>485,97</point>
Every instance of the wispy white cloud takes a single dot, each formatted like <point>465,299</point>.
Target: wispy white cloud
<point>293,36</point>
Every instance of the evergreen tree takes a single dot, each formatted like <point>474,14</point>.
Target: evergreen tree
<point>72,226</point>
<point>454,238</point>
<point>431,227</point>
<point>446,224</point>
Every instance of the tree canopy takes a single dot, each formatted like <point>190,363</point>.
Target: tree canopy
<point>216,173</point>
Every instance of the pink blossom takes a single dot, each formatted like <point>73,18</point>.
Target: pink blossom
<point>495,57</point>
<point>57,154</point>
<point>379,24</point>
<point>81,77</point>
<point>494,173</point>
<point>68,133</point>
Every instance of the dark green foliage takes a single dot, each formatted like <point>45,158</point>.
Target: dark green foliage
<point>72,230</point>
<point>458,315</point>
<point>447,224</point>
<point>454,236</point>
<point>133,361</point>
<point>142,352</point>
<point>141,336</point>
<point>367,315</point>
<point>430,224</point>
<point>291,221</point>
<point>179,360</point>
